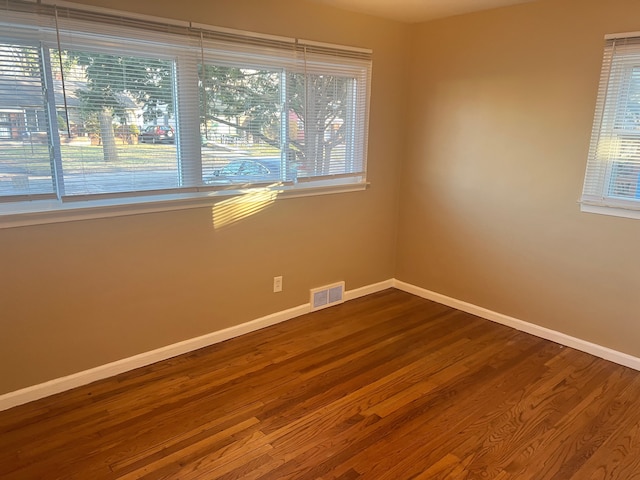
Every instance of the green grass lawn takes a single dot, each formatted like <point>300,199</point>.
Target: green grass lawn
<point>26,168</point>
<point>34,159</point>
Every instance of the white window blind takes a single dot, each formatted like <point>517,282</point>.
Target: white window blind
<point>333,99</point>
<point>26,170</point>
<point>98,105</point>
<point>612,179</point>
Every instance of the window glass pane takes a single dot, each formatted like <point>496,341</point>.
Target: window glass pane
<point>119,129</point>
<point>321,123</point>
<point>627,114</point>
<point>623,147</point>
<point>25,164</point>
<point>240,124</point>
<point>624,182</point>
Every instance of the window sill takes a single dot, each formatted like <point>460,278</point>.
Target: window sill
<point>53,211</point>
<point>611,210</point>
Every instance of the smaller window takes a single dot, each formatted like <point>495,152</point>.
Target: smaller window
<point>612,179</point>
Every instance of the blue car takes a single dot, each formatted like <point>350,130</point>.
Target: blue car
<point>245,171</point>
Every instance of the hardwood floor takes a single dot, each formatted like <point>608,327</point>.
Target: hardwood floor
<point>389,386</point>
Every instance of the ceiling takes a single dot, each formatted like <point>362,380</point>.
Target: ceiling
<point>414,11</point>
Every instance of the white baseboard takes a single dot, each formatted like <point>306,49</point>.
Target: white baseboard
<point>367,290</point>
<point>542,332</point>
<point>85,377</point>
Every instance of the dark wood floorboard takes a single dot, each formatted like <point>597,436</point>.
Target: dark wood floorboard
<point>386,387</point>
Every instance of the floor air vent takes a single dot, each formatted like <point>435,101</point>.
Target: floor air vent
<point>327,296</point>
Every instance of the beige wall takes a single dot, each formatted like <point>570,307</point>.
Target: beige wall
<point>501,113</point>
<point>492,148</point>
<point>77,295</point>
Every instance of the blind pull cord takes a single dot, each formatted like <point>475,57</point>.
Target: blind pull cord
<point>203,79</point>
<point>64,89</point>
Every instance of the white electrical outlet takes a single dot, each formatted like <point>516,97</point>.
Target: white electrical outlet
<point>277,284</point>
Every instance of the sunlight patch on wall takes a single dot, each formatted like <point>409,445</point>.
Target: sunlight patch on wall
<point>232,210</point>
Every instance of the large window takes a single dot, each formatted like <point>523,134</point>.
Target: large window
<point>100,110</point>
<point>612,180</point>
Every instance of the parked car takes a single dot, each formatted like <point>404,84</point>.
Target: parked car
<point>157,134</point>
<point>246,171</point>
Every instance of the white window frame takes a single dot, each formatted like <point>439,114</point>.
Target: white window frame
<point>285,53</point>
<point>621,56</point>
